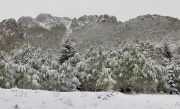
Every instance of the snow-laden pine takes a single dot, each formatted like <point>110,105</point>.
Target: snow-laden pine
<point>137,67</point>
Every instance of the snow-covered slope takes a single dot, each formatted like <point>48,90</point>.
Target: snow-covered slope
<point>37,99</point>
<point>92,30</point>
<point>153,28</point>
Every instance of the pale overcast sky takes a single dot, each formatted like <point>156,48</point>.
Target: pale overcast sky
<point>122,9</point>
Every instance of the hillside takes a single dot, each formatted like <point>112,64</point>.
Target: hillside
<point>153,28</point>
<point>104,31</point>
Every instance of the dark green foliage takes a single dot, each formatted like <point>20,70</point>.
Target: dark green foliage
<point>166,52</point>
<point>67,52</point>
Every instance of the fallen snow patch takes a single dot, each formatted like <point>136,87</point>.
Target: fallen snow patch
<point>37,99</point>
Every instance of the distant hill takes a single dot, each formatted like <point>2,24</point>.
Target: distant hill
<point>104,31</point>
<point>154,28</point>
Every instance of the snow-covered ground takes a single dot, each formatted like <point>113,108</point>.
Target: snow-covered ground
<point>37,99</point>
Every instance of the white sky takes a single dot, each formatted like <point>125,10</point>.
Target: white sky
<point>122,9</point>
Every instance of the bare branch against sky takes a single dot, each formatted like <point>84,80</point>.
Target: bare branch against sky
<point>122,9</point>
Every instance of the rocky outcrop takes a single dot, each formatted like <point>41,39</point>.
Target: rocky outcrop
<point>27,21</point>
<point>89,19</point>
<point>43,17</point>
<point>92,19</point>
<point>107,18</point>
<point>97,19</point>
<point>46,21</point>
<point>113,19</point>
<point>74,23</point>
<point>9,27</point>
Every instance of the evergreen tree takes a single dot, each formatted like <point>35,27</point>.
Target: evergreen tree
<point>173,75</point>
<point>68,79</point>
<point>166,52</point>
<point>106,80</point>
<point>90,70</point>
<point>67,52</point>
<point>6,75</point>
<point>138,71</point>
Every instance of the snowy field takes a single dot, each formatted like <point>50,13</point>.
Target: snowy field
<point>37,99</point>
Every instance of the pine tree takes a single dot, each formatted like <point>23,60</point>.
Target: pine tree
<point>138,71</point>
<point>6,75</point>
<point>173,75</point>
<point>166,52</point>
<point>90,70</point>
<point>67,52</point>
<point>68,79</point>
<point>106,80</point>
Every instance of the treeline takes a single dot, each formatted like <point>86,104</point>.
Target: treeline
<point>139,67</point>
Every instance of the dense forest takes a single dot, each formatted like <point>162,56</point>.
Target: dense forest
<point>138,67</point>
